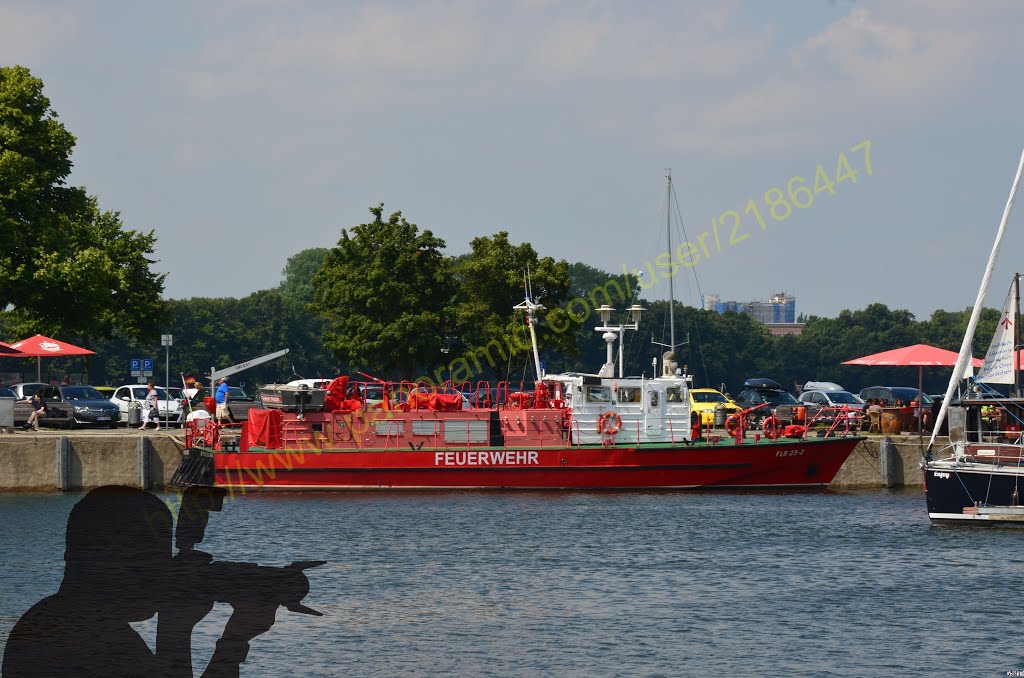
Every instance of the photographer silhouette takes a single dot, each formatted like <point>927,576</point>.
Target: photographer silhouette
<point>119,569</point>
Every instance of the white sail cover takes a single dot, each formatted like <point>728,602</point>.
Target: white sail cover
<point>999,364</point>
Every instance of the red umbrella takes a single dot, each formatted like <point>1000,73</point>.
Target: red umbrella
<point>6,349</point>
<point>920,355</point>
<point>40,346</point>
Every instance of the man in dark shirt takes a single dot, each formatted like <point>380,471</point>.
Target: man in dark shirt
<point>38,410</point>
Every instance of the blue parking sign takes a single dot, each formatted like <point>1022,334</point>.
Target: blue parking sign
<point>136,364</point>
<point>147,365</point>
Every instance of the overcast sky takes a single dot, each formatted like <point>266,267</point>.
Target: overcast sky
<point>245,131</point>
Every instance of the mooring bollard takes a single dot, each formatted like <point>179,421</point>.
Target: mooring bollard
<point>63,464</point>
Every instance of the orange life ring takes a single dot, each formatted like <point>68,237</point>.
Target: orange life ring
<point>610,423</point>
<point>734,425</point>
<point>772,427</point>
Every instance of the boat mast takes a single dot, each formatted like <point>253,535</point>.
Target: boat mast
<point>671,290</point>
<point>1016,336</point>
<point>531,309</point>
<point>671,346</point>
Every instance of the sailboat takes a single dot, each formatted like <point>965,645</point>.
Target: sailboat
<point>980,477</point>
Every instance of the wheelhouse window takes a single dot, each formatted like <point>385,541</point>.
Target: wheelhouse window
<point>673,395</point>
<point>599,394</point>
<point>629,395</point>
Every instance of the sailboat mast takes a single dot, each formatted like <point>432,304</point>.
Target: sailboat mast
<point>1016,335</point>
<point>671,290</point>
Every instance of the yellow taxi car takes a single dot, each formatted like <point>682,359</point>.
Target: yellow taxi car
<point>704,400</point>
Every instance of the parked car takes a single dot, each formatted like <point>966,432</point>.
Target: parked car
<point>107,391</point>
<point>817,398</point>
<point>370,393</point>
<point>75,405</point>
<point>27,390</point>
<point>172,410</point>
<point>890,394</point>
<point>832,399</point>
<point>705,400</point>
<point>239,403</point>
<point>759,391</point>
<point>822,386</point>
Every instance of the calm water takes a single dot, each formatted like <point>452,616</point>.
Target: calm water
<point>596,584</point>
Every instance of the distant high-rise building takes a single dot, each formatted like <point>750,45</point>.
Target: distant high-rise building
<point>779,309</point>
<point>724,306</point>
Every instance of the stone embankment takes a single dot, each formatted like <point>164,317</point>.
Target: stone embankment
<point>58,460</point>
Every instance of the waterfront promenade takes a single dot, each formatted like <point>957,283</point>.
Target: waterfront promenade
<point>83,459</point>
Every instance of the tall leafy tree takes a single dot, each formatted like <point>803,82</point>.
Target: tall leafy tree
<point>35,161</point>
<point>492,281</point>
<point>96,285</point>
<point>299,271</point>
<point>67,268</point>
<point>383,292</point>
<point>225,331</point>
<point>590,288</point>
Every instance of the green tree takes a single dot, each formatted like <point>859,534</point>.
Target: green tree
<point>225,331</point>
<point>299,271</point>
<point>67,269</point>
<point>35,161</point>
<point>96,285</point>
<point>383,294</point>
<point>589,289</point>
<point>492,281</point>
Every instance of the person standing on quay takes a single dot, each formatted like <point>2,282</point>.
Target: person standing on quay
<point>151,409</point>
<point>222,402</point>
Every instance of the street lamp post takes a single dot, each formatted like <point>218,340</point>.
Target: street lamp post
<point>166,340</point>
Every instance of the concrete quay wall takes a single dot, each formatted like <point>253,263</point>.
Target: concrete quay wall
<point>42,462</point>
<point>885,462</point>
<point>80,461</point>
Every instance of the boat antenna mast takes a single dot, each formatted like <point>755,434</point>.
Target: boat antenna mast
<point>531,308</point>
<point>672,345</point>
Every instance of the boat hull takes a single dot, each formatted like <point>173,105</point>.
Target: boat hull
<point>974,492</point>
<point>809,464</point>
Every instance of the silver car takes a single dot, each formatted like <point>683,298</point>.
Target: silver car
<point>829,398</point>
<point>171,409</point>
<point>27,390</point>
